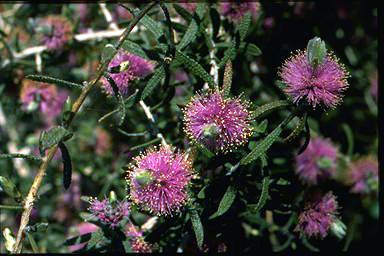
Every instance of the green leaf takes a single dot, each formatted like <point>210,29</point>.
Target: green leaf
<point>201,194</point>
<point>52,80</point>
<point>215,18</point>
<point>53,136</point>
<point>195,68</point>
<point>133,47</point>
<point>253,50</point>
<point>263,145</point>
<point>153,82</point>
<point>197,227</point>
<point>78,239</point>
<point>229,54</point>
<point>182,12</point>
<point>269,107</point>
<point>149,23</point>
<point>261,127</point>
<point>97,239</point>
<point>316,51</point>
<point>10,189</point>
<point>296,132</point>
<point>244,25</point>
<point>39,227</point>
<point>349,134</point>
<point>227,81</point>
<point>254,208</point>
<point>189,36</point>
<point>226,202</point>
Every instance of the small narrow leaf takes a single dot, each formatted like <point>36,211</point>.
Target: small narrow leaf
<point>254,208</point>
<point>182,12</point>
<point>78,239</point>
<point>10,189</point>
<point>265,144</point>
<point>244,25</point>
<point>149,23</point>
<point>269,107</point>
<point>349,134</point>
<point>39,227</point>
<point>67,173</point>
<point>215,18</point>
<point>97,238</point>
<point>197,227</point>
<point>261,127</point>
<point>307,139</point>
<point>253,50</point>
<point>29,157</point>
<point>135,48</point>
<point>227,81</point>
<point>153,82</point>
<point>201,194</point>
<point>52,80</point>
<point>226,202</point>
<point>189,36</point>
<point>53,136</point>
<point>118,96</point>
<point>195,68</point>
<point>229,54</point>
<point>299,127</point>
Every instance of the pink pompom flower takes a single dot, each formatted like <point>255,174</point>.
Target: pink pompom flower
<point>110,213</point>
<point>54,32</point>
<point>47,98</point>
<point>320,215</point>
<point>317,162</point>
<point>137,242</point>
<point>320,85</point>
<point>159,180</point>
<point>126,67</point>
<point>216,122</point>
<point>363,175</point>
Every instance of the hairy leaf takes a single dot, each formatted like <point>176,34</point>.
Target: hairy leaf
<point>195,68</point>
<point>226,202</point>
<point>52,80</point>
<point>253,50</point>
<point>254,208</point>
<point>244,25</point>
<point>227,81</point>
<point>10,189</point>
<point>189,36</point>
<point>197,227</point>
<point>153,82</point>
<point>149,23</point>
<point>53,136</point>
<point>269,107</point>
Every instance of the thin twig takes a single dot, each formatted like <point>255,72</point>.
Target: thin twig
<point>149,115</point>
<point>108,16</point>
<point>33,191</point>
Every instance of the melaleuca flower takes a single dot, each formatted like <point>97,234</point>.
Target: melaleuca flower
<point>110,213</point>
<point>54,32</point>
<point>216,122</point>
<point>44,97</point>
<point>159,180</point>
<point>126,67</point>
<point>317,162</point>
<point>138,244</point>
<point>320,215</point>
<point>235,11</point>
<point>363,175</point>
<point>316,85</point>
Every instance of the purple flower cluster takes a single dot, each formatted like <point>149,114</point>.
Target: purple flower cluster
<point>318,86</point>
<point>235,11</point>
<point>55,32</point>
<point>319,216</point>
<point>130,67</point>
<point>138,244</point>
<point>159,179</point>
<point>317,162</point>
<point>110,213</point>
<point>216,122</point>
<point>363,175</point>
<point>47,98</point>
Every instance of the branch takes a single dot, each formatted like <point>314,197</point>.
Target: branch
<point>150,117</point>
<point>33,191</point>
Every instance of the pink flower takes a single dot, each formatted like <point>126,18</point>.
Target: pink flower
<point>47,98</point>
<point>319,216</point>
<point>317,162</point>
<point>363,175</point>
<point>55,32</point>
<point>191,7</point>
<point>322,85</point>
<point>138,244</point>
<point>110,213</point>
<point>234,11</point>
<point>159,179</point>
<point>131,67</point>
<point>216,122</point>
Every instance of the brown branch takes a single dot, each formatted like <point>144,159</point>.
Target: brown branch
<point>33,191</point>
